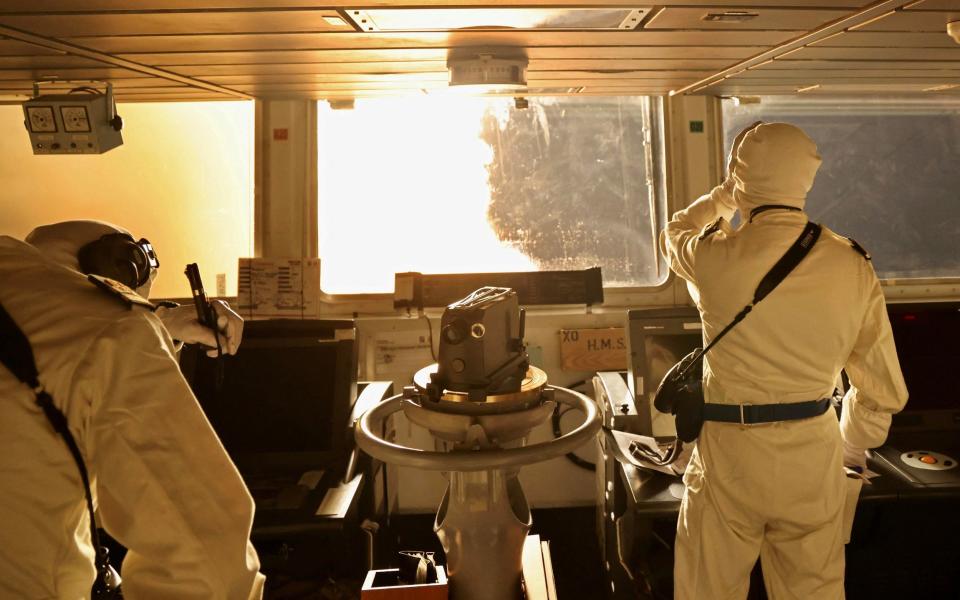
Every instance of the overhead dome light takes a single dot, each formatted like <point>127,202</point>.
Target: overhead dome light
<point>488,73</point>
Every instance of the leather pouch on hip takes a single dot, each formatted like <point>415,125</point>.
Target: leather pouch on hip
<point>680,393</point>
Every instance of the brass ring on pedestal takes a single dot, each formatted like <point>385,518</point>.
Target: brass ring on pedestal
<point>530,388</point>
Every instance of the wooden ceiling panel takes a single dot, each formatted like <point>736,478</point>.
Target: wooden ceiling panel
<point>60,6</point>
<point>174,60</point>
<point>860,65</point>
<point>48,6</point>
<point>188,96</point>
<point>519,39</point>
<point>10,47</point>
<point>175,23</point>
<point>815,79</point>
<point>877,54</point>
<point>766,18</point>
<point>169,91</point>
<point>66,86</point>
<point>732,89</point>
<point>916,20</point>
<point>273,89</point>
<point>142,85</point>
<point>52,61</point>
<point>188,49</point>
<point>590,76</point>
<point>931,77</point>
<point>97,74</point>
<point>298,69</point>
<point>851,75</point>
<point>866,39</point>
<point>198,96</point>
<point>934,5</point>
<point>240,81</point>
<point>607,90</point>
<point>295,69</point>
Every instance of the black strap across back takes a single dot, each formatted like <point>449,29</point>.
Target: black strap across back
<point>17,355</point>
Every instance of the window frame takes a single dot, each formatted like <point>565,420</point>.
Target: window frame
<point>615,298</point>
<point>897,289</point>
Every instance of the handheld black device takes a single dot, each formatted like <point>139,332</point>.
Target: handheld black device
<point>205,312</point>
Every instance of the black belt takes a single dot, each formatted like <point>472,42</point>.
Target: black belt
<point>749,414</point>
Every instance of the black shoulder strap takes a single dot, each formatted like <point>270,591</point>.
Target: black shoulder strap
<point>776,274</point>
<point>766,207</point>
<point>787,262</point>
<point>15,351</point>
<point>17,355</point>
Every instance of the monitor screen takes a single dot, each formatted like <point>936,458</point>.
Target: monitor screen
<point>928,346</point>
<point>656,340</point>
<point>927,336</point>
<point>286,391</point>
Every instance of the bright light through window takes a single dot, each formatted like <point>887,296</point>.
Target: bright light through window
<point>462,184</point>
<point>183,179</point>
<point>403,187</point>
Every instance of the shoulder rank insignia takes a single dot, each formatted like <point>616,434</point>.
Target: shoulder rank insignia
<point>859,248</point>
<point>711,229</point>
<point>121,292</point>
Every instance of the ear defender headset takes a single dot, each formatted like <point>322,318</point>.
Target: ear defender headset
<point>119,257</point>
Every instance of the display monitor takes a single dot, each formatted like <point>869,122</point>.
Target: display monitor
<point>926,336</point>
<point>656,340</point>
<point>285,396</point>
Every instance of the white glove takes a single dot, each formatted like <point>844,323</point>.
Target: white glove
<point>854,458</point>
<point>183,325</point>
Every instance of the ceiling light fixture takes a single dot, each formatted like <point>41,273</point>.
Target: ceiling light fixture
<point>484,72</point>
<point>446,19</point>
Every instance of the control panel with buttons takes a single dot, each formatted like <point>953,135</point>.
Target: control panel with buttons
<point>925,459</point>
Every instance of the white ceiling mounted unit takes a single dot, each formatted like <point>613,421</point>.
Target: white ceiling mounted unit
<point>448,19</point>
<point>488,73</point>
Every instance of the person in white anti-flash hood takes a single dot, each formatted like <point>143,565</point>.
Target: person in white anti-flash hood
<point>163,484</point>
<point>777,489</point>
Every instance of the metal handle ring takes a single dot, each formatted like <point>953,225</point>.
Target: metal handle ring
<point>478,460</point>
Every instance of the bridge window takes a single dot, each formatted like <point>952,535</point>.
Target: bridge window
<point>455,184</point>
<point>183,178</point>
<point>889,177</point>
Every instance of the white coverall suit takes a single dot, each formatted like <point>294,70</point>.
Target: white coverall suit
<point>164,486</point>
<point>776,489</point>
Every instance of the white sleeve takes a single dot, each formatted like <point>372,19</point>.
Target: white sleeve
<point>680,237</point>
<point>878,388</point>
<point>165,486</point>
